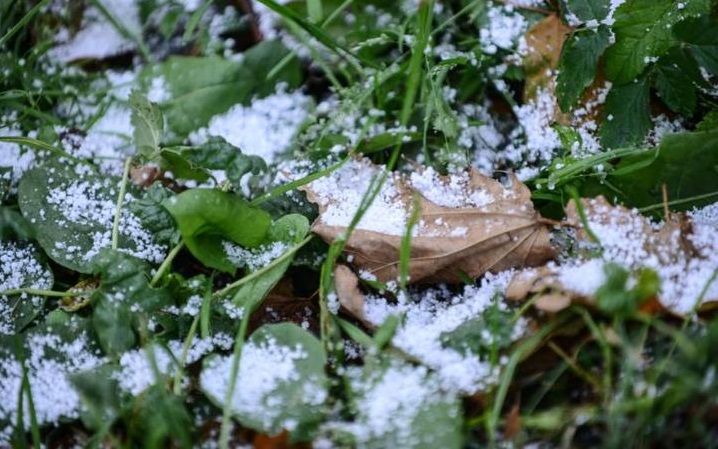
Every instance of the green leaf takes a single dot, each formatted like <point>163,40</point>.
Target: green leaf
<point>489,332</point>
<point>687,163</point>
<point>124,291</point>
<point>627,115</point>
<point>675,75</point>
<point>72,216</point>
<point>182,168</point>
<point>709,122</point>
<point>415,412</point>
<point>615,298</point>
<point>100,394</point>
<point>643,30</point>
<point>578,63</point>
<point>587,10</point>
<point>162,420</point>
<point>204,87</point>
<point>154,217</point>
<point>13,225</point>
<point>21,266</point>
<point>281,382</point>
<point>148,124</point>
<point>701,35</point>
<point>207,217</point>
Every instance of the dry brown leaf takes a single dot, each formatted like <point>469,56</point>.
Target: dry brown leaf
<point>666,245</point>
<point>544,41</point>
<point>505,233</point>
<point>350,296</point>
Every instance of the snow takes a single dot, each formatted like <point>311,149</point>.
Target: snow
<point>455,190</point>
<point>265,128</point>
<point>50,361</point>
<point>254,258</point>
<point>429,314</point>
<point>504,29</point>
<point>12,156</point>
<point>264,367</point>
<point>98,38</point>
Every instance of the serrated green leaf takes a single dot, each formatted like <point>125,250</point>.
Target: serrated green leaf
<point>578,63</point>
<point>643,30</point>
<point>587,10</point>
<point>674,80</point>
<point>701,35</point>
<point>206,86</point>
<point>207,217</point>
<point>148,125</point>
<point>627,117</point>
<point>154,217</point>
<point>294,403</point>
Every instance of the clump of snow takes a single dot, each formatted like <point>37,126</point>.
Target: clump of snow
<point>504,29</point>
<point>265,128</point>
<point>109,140</point>
<point>254,258</point>
<point>390,401</point>
<point>136,372</point>
<point>341,193</point>
<point>14,158</point>
<point>264,367</point>
<point>50,361</point>
<point>98,37</point>
<point>429,314</point>
<point>454,190</point>
<point>19,268</point>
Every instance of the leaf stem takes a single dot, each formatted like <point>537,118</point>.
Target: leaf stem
<point>166,263</point>
<point>120,199</point>
<point>39,292</point>
<point>260,272</point>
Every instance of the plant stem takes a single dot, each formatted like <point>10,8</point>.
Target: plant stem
<point>40,292</point>
<point>166,263</point>
<point>120,199</point>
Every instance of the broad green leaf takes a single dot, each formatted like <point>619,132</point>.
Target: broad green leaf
<point>98,389</point>
<point>400,405</point>
<point>13,225</point>
<point>701,35</point>
<point>675,77</point>
<point>587,10</point>
<point>627,117</point>
<point>207,217</point>
<point>281,382</point>
<point>148,124</point>
<point>578,63</point>
<point>124,291</point>
<point>206,86</point>
<point>643,30</point>
<point>687,163</point>
<point>71,210</point>
<point>162,419</point>
<point>174,160</point>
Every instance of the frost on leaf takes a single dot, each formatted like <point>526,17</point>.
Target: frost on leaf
<point>493,228</point>
<point>683,252</point>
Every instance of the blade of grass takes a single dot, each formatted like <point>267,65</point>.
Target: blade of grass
<point>122,29</point>
<point>22,23</point>
<point>194,20</point>
<point>38,145</point>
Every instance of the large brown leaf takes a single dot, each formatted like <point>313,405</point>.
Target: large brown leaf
<point>504,232</point>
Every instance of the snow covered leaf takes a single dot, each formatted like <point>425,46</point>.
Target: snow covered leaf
<point>281,383</point>
<point>578,64</point>
<point>148,124</point>
<point>21,267</point>
<point>679,254</point>
<point>72,209</point>
<point>467,223</point>
<point>207,217</point>
<point>153,216</point>
<point>399,405</point>
<point>643,32</point>
<point>204,87</point>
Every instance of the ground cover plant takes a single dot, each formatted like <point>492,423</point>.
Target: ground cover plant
<point>358,223</point>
